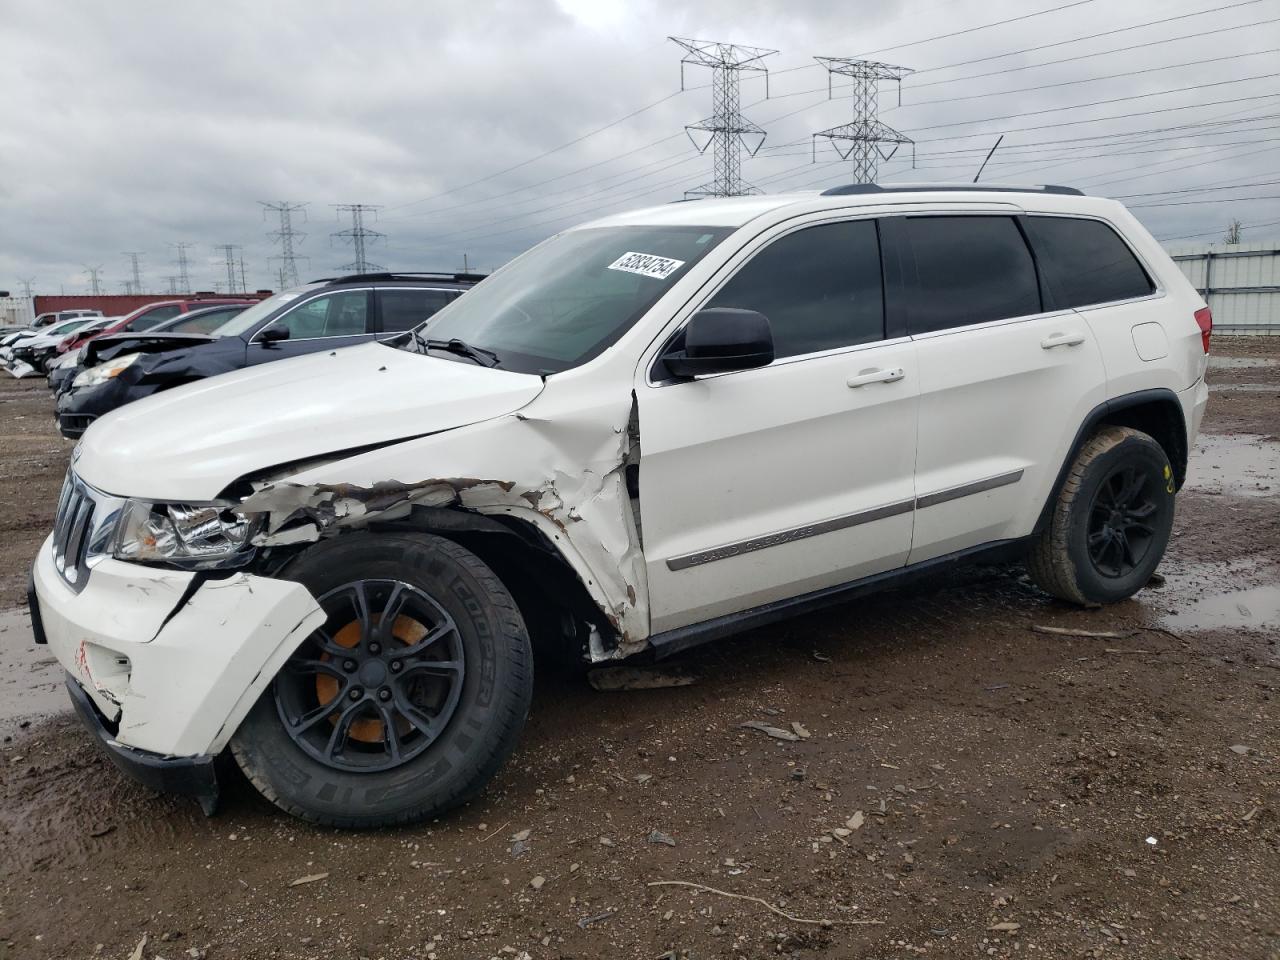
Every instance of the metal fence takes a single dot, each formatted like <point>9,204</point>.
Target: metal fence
<point>1239,281</point>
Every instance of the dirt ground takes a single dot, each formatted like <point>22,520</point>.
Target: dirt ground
<point>969,787</point>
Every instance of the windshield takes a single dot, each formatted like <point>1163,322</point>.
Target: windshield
<point>566,301</point>
<point>246,321</point>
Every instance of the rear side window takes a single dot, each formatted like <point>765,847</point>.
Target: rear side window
<point>968,270</point>
<point>820,287</point>
<point>152,317</point>
<point>405,309</point>
<point>1084,262</point>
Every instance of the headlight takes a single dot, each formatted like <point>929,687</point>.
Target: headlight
<point>105,371</point>
<point>197,536</point>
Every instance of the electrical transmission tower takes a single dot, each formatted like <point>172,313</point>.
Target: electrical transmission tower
<point>173,283</point>
<point>26,286</point>
<point>135,285</point>
<point>287,236</point>
<point>95,278</point>
<point>866,135</point>
<point>728,131</point>
<point>180,261</point>
<point>358,236</point>
<point>229,261</point>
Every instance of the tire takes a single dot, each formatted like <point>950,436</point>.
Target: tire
<point>1074,558</point>
<point>412,741</point>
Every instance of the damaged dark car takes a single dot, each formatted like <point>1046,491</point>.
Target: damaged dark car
<point>323,315</point>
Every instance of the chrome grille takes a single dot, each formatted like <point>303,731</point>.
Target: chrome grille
<point>82,529</point>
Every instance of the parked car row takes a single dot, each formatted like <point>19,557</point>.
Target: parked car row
<point>164,346</point>
<point>649,431</point>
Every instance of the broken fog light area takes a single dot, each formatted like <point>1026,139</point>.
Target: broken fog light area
<point>194,536</point>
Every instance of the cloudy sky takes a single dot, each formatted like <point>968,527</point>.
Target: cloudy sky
<point>481,127</point>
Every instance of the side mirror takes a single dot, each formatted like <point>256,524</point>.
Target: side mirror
<point>721,339</point>
<point>273,332</point>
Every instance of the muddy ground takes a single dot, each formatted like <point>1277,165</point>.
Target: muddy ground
<point>968,788</point>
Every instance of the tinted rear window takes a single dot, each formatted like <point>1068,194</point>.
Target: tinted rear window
<point>1084,262</point>
<point>969,270</point>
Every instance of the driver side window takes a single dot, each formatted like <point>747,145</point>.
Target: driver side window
<point>340,314</point>
<point>819,287</point>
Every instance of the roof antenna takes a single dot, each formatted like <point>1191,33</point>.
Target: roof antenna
<point>984,162</point>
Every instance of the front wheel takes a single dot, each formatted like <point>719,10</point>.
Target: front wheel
<point>409,697</point>
<point>1111,522</point>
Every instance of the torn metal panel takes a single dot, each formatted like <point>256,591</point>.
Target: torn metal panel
<point>563,473</point>
<point>20,369</point>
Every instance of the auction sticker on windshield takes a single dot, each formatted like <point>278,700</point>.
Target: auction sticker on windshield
<point>647,265</point>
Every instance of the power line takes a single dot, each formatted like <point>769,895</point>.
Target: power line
<point>1217,230</point>
<point>1084,56</point>
<point>1095,36</point>
<point>1192,203</point>
<point>94,278</point>
<point>287,236</point>
<point>866,133</point>
<point>545,153</point>
<point>135,284</point>
<point>728,131</point>
<point>984,26</point>
<point>358,235</point>
<point>229,263</point>
<point>180,261</point>
<point>1112,76</point>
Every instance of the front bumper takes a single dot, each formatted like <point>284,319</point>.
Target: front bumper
<point>78,407</point>
<point>173,661</point>
<point>188,776</point>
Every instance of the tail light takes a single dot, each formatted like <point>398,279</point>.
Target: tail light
<point>1204,320</point>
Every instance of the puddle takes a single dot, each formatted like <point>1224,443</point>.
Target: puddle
<point>32,681</point>
<point>1255,608</point>
<point>1244,465</point>
<point>1244,387</point>
<point>1240,363</point>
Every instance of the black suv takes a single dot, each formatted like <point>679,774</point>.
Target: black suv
<point>321,315</point>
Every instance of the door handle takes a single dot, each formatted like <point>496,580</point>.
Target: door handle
<point>1062,340</point>
<point>876,376</point>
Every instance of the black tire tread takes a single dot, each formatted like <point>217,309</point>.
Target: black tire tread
<point>512,720</point>
<point>1048,561</point>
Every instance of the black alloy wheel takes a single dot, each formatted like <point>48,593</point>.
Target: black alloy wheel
<point>1121,519</point>
<point>378,683</point>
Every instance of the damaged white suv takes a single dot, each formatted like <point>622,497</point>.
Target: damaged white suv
<point>648,431</point>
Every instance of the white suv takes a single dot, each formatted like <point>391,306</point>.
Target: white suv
<point>649,431</point>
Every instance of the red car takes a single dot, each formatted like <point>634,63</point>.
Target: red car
<point>144,318</point>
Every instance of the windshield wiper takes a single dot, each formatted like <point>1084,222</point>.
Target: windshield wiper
<point>486,358</point>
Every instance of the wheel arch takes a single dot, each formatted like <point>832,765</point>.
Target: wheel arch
<point>556,604</point>
<point>1156,412</point>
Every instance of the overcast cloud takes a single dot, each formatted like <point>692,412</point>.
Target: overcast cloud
<point>129,125</point>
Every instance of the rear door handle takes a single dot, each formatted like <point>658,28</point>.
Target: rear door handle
<point>876,376</point>
<point>1062,340</point>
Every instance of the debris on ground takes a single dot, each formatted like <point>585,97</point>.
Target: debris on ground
<point>1087,634</point>
<point>638,678</point>
<point>823,922</point>
<point>657,836</point>
<point>776,732</point>
<point>309,878</point>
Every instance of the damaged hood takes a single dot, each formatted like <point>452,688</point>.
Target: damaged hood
<point>191,442</point>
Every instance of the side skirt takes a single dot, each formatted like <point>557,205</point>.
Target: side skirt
<point>682,638</point>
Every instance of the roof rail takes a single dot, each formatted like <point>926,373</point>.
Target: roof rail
<point>856,188</point>
<point>405,275</point>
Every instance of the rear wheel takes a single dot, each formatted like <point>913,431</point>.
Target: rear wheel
<point>1111,521</point>
<point>409,697</point>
